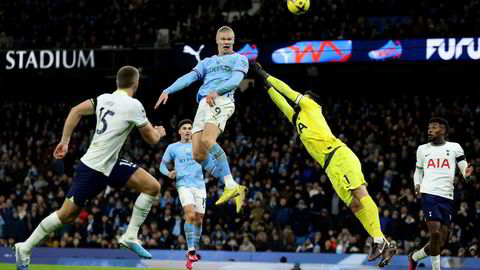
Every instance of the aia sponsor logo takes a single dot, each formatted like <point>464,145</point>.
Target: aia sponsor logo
<point>438,163</point>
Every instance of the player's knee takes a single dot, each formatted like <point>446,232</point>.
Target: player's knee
<point>199,221</point>
<point>63,218</point>
<point>208,142</point>
<point>360,192</point>
<point>190,217</point>
<point>66,218</point>
<point>436,236</point>
<point>355,205</point>
<point>154,189</point>
<point>199,157</point>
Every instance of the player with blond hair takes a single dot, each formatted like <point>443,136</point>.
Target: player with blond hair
<point>221,75</point>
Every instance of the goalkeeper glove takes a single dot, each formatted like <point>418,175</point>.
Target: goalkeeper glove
<point>268,85</point>
<point>255,66</point>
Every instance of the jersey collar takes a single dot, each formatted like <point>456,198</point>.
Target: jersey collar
<point>121,92</point>
<point>444,142</point>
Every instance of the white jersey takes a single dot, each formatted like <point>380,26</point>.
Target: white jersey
<point>439,163</point>
<point>117,114</point>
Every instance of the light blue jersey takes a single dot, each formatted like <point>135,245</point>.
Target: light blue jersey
<point>189,172</point>
<point>217,70</point>
<point>220,73</point>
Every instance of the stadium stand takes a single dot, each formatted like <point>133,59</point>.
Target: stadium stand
<point>136,23</point>
<point>291,205</point>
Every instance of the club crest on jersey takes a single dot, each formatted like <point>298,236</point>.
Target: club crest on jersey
<point>188,150</point>
<point>436,163</point>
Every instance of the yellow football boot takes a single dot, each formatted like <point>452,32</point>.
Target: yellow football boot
<point>238,192</point>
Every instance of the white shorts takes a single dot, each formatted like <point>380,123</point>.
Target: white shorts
<point>217,115</point>
<point>195,196</point>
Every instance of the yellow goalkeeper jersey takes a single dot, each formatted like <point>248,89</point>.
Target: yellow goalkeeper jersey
<point>314,131</point>
<point>310,123</point>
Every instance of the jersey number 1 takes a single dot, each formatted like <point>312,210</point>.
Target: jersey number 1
<point>104,121</point>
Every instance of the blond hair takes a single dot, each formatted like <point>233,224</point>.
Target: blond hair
<point>224,29</point>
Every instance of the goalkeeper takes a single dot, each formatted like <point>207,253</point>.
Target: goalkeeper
<point>342,166</point>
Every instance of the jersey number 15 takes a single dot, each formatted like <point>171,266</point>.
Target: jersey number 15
<point>104,120</point>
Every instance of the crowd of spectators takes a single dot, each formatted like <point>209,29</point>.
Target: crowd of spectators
<point>291,205</point>
<point>135,23</point>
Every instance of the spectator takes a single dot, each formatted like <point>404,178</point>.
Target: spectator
<point>307,246</point>
<point>277,204</point>
<point>301,222</point>
<point>180,243</point>
<point>261,241</point>
<point>317,242</point>
<point>183,22</point>
<point>282,213</point>
<point>246,244</point>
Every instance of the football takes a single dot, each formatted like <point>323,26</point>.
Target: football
<point>298,7</point>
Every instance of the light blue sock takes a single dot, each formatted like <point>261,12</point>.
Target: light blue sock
<point>209,165</point>
<point>188,227</point>
<point>222,169</point>
<point>198,234</point>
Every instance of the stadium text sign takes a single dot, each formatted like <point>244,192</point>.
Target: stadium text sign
<point>453,48</point>
<point>45,59</point>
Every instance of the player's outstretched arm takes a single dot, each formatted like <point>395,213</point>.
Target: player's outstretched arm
<point>74,116</point>
<point>178,85</point>
<point>281,103</point>
<point>283,88</point>
<point>279,85</point>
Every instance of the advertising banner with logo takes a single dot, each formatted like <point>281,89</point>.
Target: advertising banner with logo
<point>302,52</point>
<point>332,51</point>
<point>444,49</point>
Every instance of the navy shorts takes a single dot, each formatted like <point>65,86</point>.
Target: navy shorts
<point>437,208</point>
<point>88,183</point>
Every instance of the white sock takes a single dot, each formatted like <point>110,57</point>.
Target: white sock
<point>140,211</point>
<point>435,262</point>
<point>420,254</point>
<point>229,182</point>
<point>379,240</point>
<point>46,226</point>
